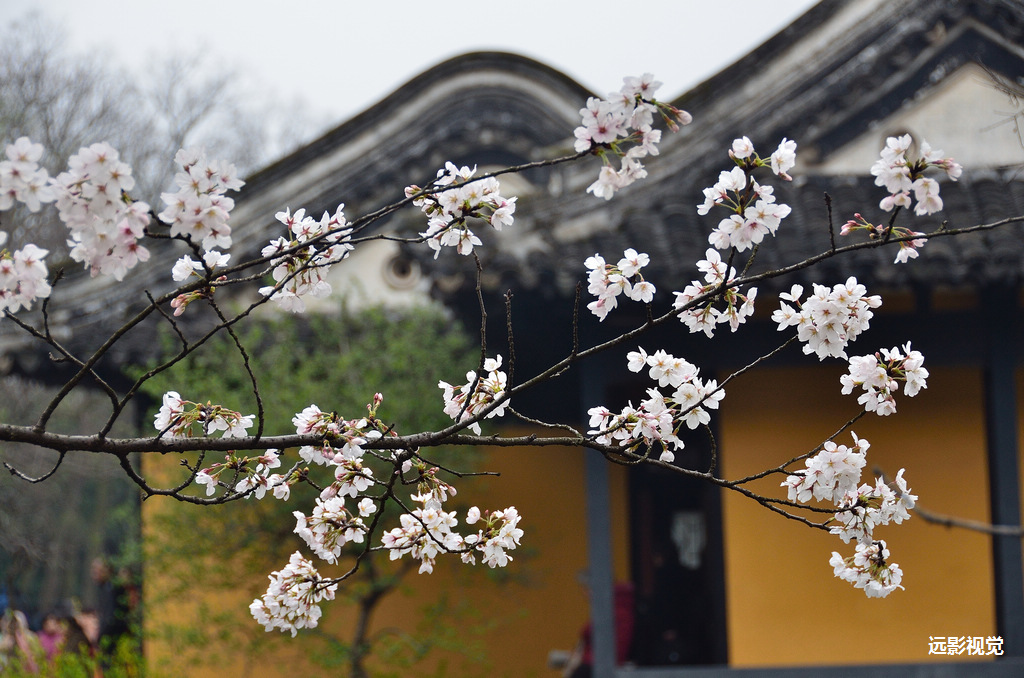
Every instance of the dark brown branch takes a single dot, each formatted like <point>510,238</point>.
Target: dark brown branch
<point>18,474</point>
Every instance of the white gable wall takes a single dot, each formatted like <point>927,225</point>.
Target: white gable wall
<point>966,117</point>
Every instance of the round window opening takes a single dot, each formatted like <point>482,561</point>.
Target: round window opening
<point>401,272</point>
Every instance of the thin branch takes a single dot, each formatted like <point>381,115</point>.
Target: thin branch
<point>950,521</point>
<point>246,364</point>
<point>831,226</point>
<point>973,525</point>
<point>781,468</point>
<point>46,337</point>
<point>510,371</point>
<point>538,422</point>
<point>18,474</point>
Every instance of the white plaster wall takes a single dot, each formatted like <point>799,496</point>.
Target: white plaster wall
<point>370,277</point>
<point>965,116</point>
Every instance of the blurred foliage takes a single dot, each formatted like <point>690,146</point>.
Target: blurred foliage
<point>124,660</point>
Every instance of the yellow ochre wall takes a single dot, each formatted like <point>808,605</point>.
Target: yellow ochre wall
<point>539,606</point>
<point>784,606</point>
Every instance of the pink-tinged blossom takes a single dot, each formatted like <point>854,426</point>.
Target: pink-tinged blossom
<point>607,282</point>
<point>280,487</point>
<point>705,316</point>
<point>204,478</point>
<point>741,148</point>
<point>448,212</point>
<point>829,319</point>
<point>481,393</point>
<point>366,507</point>
<point>22,179</point>
<point>622,126</point>
<point>312,246</point>
<point>23,277</point>
<point>105,225</point>
<point>879,376</point>
<point>900,175</point>
<point>199,209</point>
<point>784,158</point>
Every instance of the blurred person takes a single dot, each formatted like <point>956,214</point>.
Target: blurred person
<point>81,641</point>
<point>19,647</point>
<point>581,662</point>
<point>51,634</point>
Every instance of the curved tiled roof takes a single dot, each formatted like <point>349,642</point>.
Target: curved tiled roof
<point>841,68</point>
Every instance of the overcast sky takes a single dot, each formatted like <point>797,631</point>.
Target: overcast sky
<point>342,56</point>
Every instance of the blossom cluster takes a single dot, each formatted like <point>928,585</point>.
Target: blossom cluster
<point>658,419</point>
<point>291,600</point>
<point>833,474</point>
<point>350,434</point>
<point>879,375</point>
<point>428,531</point>
<point>105,224</point>
<point>448,211</point>
<point>312,246</point>
<point>499,534</point>
<point>900,175</point>
<point>342,448</point>
<point>180,418</point>
<point>868,568</point>
<point>754,212</point>
<point>477,394</point>
<point>332,525</point>
<point>860,511</point>
<point>622,125</point>
<point>829,319</point>
<point>424,533</point>
<point>250,475</point>
<point>22,179</point>
<point>23,276</point>
<point>830,474</point>
<point>607,282</point>
<point>199,209</point>
<point>718,276</point>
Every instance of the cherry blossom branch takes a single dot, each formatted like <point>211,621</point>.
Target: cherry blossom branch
<point>972,525</point>
<point>619,129</point>
<point>781,468</point>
